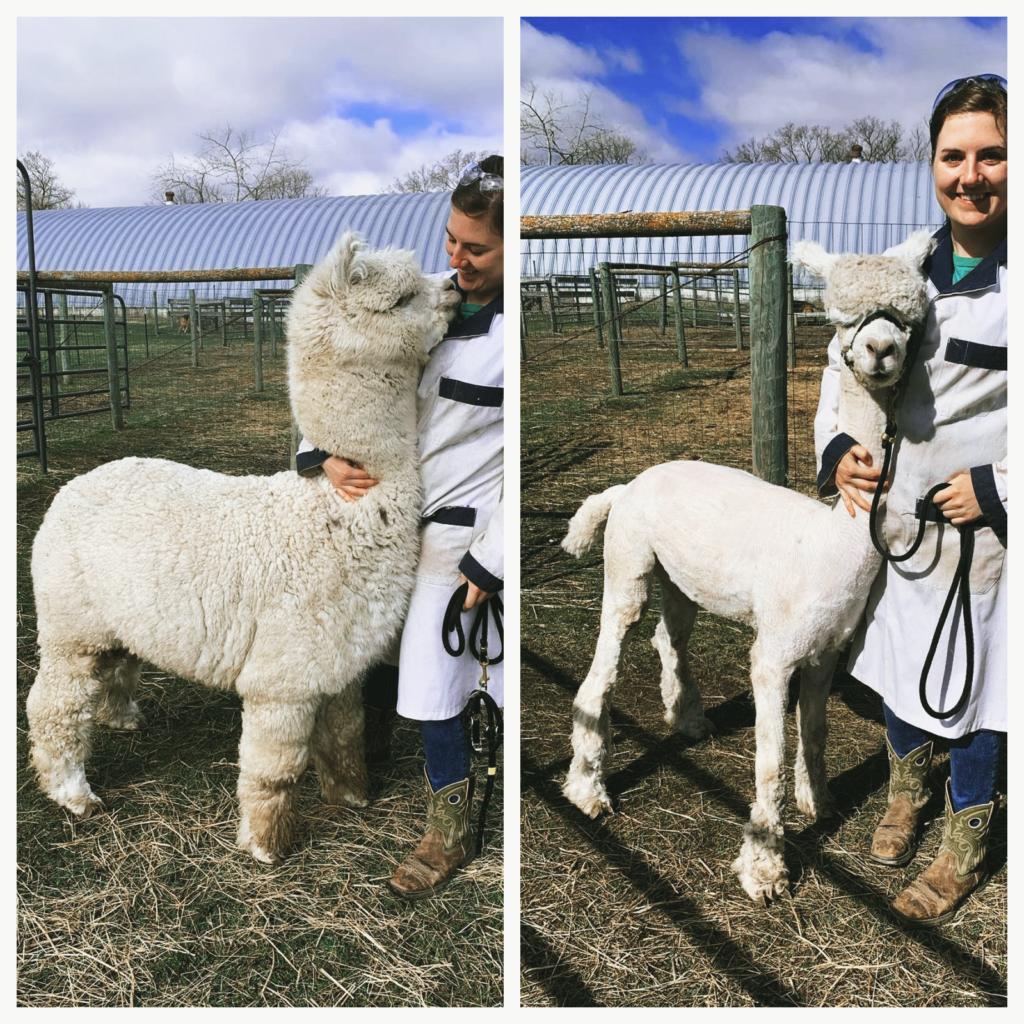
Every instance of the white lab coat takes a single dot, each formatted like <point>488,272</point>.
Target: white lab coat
<point>460,404</point>
<point>951,418</point>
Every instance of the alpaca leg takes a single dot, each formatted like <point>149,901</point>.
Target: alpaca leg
<point>679,690</point>
<point>272,757</point>
<point>337,749</point>
<point>118,671</point>
<point>622,609</point>
<point>60,709</point>
<point>811,783</point>
<point>761,865</point>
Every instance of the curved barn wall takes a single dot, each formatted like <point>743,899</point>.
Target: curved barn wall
<point>846,207</point>
<point>275,233</point>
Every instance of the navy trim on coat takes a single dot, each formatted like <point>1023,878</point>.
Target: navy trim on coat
<point>451,515</point>
<point>479,576</point>
<point>973,353</point>
<point>984,480</point>
<point>480,322</point>
<point>939,266</point>
<point>307,462</point>
<point>471,394</point>
<point>830,458</point>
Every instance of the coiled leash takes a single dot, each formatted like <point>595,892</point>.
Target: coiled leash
<point>480,701</point>
<point>927,511</point>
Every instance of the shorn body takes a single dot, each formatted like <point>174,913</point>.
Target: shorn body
<point>269,586</point>
<point>796,570</point>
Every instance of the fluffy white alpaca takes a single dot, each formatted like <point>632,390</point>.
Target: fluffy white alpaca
<point>796,570</point>
<point>270,586</point>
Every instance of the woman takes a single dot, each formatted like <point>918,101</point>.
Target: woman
<point>951,428</point>
<point>461,426</point>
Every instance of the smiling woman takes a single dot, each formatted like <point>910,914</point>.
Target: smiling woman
<point>942,676</point>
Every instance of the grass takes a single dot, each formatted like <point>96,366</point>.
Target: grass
<point>150,904</point>
<point>641,908</point>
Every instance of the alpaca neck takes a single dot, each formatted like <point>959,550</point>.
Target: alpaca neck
<point>863,414</point>
<point>366,418</point>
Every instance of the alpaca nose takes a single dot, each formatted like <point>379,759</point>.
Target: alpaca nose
<point>880,349</point>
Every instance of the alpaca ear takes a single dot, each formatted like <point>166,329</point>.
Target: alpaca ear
<point>813,258</point>
<point>915,250</point>
<point>347,268</point>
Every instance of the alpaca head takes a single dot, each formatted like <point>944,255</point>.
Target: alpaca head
<point>875,302</point>
<point>368,307</point>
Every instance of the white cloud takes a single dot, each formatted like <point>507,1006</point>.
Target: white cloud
<point>570,73</point>
<point>108,99</point>
<point>754,86</point>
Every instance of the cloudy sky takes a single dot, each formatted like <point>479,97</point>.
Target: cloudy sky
<point>688,88</point>
<point>361,100</point>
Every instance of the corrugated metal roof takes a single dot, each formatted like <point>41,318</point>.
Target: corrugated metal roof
<point>276,233</point>
<point>846,207</point>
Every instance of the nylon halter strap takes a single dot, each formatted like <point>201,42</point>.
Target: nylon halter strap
<point>480,701</point>
<point>961,578</point>
<point>878,314</point>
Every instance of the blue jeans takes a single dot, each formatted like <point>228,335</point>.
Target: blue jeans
<point>445,743</point>
<point>974,759</point>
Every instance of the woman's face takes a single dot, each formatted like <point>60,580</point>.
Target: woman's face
<point>970,181</point>
<point>478,254</point>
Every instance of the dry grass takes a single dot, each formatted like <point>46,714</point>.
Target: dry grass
<point>150,904</point>
<point>641,908</point>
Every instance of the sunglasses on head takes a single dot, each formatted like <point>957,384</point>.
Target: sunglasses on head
<point>985,81</point>
<point>488,182</point>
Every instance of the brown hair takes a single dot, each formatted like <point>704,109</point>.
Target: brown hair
<point>468,199</point>
<point>975,96</point>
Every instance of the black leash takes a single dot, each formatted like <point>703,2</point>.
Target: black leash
<point>480,702</point>
<point>961,578</point>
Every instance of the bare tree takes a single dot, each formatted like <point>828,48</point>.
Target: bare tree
<point>554,131</point>
<point>440,177</point>
<point>880,142</point>
<point>232,166</point>
<point>48,191</point>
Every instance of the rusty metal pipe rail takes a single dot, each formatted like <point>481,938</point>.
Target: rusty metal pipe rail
<point>627,225</point>
<point>162,276</point>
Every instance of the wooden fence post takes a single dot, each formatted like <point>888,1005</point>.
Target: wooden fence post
<point>193,318</point>
<point>768,343</point>
<point>257,334</point>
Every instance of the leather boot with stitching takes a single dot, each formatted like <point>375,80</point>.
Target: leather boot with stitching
<point>935,895</point>
<point>895,840</point>
<point>448,843</point>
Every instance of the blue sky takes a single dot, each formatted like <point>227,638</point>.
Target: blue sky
<point>360,100</point>
<point>688,88</point>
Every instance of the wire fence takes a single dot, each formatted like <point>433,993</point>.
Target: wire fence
<point>689,401</point>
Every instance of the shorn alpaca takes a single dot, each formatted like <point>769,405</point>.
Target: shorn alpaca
<point>269,586</point>
<point>796,570</point>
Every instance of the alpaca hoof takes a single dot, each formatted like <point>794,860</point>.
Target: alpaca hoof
<point>762,887</point>
<point>131,720</point>
<point>692,728</point>
<point>84,807</point>
<point>345,798</point>
<point>814,807</point>
<point>590,801</point>
<point>271,858</point>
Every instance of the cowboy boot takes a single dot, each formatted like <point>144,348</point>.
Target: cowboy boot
<point>895,840</point>
<point>378,731</point>
<point>934,896</point>
<point>448,843</point>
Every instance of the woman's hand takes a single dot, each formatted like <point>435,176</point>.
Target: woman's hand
<point>475,595</point>
<point>348,479</point>
<point>958,502</point>
<point>854,474</point>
